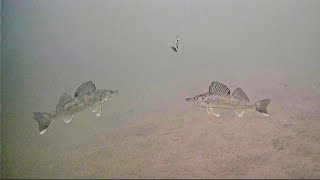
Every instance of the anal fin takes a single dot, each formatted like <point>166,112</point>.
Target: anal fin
<point>98,110</point>
<point>68,119</point>
<point>208,111</point>
<point>239,113</point>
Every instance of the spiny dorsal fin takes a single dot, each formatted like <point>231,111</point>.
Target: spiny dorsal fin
<point>239,94</point>
<point>217,87</point>
<point>64,99</point>
<point>85,88</point>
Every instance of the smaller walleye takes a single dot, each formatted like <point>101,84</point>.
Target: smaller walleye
<point>219,97</point>
<point>176,47</point>
<point>86,96</point>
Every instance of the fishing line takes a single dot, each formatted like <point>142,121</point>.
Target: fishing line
<point>178,19</point>
<point>168,17</point>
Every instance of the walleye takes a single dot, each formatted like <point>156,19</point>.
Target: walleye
<point>219,97</point>
<point>85,96</point>
<point>176,47</point>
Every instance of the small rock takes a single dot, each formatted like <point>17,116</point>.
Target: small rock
<point>284,85</point>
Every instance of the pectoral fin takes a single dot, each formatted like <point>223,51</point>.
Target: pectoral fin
<point>208,111</point>
<point>239,113</point>
<point>97,110</point>
<point>216,114</point>
<point>68,119</point>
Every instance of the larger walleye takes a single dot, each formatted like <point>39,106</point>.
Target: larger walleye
<point>219,97</point>
<point>86,96</point>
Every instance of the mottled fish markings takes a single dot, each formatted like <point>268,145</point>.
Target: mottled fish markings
<point>86,96</point>
<point>218,97</point>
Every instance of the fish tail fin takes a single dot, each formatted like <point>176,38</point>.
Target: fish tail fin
<point>261,106</point>
<point>43,119</point>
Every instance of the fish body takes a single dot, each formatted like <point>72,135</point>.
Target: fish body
<point>86,96</point>
<point>218,97</point>
<point>222,102</point>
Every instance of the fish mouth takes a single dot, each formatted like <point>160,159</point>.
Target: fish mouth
<point>113,92</point>
<point>189,99</point>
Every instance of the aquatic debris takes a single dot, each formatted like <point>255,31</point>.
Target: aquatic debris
<point>85,96</point>
<point>219,97</point>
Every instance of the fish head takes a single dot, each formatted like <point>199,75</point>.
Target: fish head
<point>100,94</point>
<point>196,99</point>
<point>116,92</point>
<point>192,99</point>
<point>112,92</point>
<point>106,94</point>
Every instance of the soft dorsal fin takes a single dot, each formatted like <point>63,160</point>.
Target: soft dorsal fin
<point>85,88</point>
<point>239,94</point>
<point>217,87</point>
<point>64,99</point>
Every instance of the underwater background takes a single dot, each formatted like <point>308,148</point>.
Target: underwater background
<point>271,49</point>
